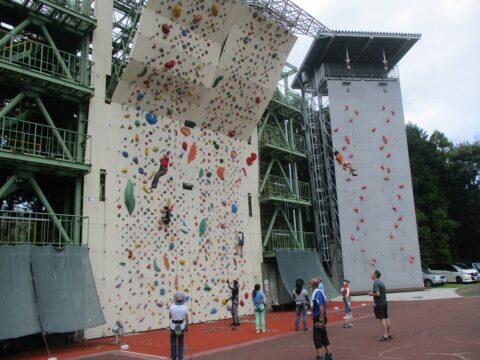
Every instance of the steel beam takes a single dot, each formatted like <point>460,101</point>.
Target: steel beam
<point>50,122</point>
<point>292,231</point>
<point>266,175</point>
<point>270,227</point>
<point>55,51</point>
<point>19,28</point>
<point>77,210</point>
<point>51,213</point>
<point>8,184</point>
<point>14,102</point>
<point>289,181</point>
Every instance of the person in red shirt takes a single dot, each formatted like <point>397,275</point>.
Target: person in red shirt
<point>164,161</point>
<point>344,163</point>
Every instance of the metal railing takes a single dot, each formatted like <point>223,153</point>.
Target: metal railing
<point>41,58</point>
<point>19,227</point>
<point>281,187</point>
<point>274,136</point>
<point>84,7</point>
<point>40,140</point>
<point>288,97</point>
<point>357,71</point>
<point>284,239</point>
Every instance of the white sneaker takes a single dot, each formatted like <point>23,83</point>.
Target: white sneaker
<point>263,330</point>
<point>350,316</point>
<point>258,331</point>
<point>345,317</point>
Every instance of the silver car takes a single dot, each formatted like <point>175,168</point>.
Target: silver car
<point>430,279</point>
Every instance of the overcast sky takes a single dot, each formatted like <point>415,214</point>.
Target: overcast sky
<point>440,75</point>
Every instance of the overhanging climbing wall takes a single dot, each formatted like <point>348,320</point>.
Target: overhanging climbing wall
<point>376,208</point>
<point>215,61</point>
<point>208,66</point>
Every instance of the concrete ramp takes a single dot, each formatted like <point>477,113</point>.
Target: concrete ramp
<point>303,264</point>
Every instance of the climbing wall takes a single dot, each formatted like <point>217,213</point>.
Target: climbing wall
<point>215,64</point>
<point>376,208</point>
<point>216,61</point>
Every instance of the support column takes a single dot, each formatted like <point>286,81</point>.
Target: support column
<point>8,184</point>
<point>294,235</point>
<point>54,128</point>
<point>270,227</point>
<point>19,28</point>
<point>265,176</point>
<point>55,51</point>
<point>14,102</point>
<point>301,237</point>
<point>52,214</point>
<point>77,211</point>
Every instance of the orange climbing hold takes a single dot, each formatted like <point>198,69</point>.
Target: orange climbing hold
<point>233,154</point>
<point>197,19</point>
<point>166,262</point>
<point>193,152</point>
<point>221,172</point>
<point>186,131</point>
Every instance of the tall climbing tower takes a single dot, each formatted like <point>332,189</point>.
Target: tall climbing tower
<point>358,158</point>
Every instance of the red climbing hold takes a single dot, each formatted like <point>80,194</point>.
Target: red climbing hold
<point>364,187</point>
<point>346,107</point>
<point>373,130</point>
<point>355,209</point>
<point>401,186</point>
<point>221,172</point>
<point>166,29</point>
<point>184,146</point>
<point>170,64</point>
<point>253,156</point>
<point>130,254</point>
<point>258,99</point>
<point>246,295</point>
<point>231,133</point>
<point>335,130</point>
<point>383,107</point>
<point>249,161</point>
<point>186,131</point>
<point>197,19</point>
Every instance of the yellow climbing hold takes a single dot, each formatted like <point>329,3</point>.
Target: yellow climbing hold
<point>177,10</point>
<point>216,299</point>
<point>215,9</point>
<point>137,138</point>
<point>127,116</point>
<point>190,92</point>
<point>146,151</point>
<point>124,170</point>
<point>155,148</point>
<point>186,290</point>
<point>224,301</point>
<point>182,262</point>
<point>145,189</point>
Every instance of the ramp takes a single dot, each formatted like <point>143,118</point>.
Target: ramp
<point>303,264</point>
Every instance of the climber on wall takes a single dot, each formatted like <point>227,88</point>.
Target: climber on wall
<point>164,161</point>
<point>240,240</point>
<point>344,163</point>
<point>167,214</point>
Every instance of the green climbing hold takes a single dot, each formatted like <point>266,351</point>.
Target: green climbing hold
<point>129,197</point>
<point>155,266</point>
<point>201,173</point>
<point>137,123</point>
<point>202,227</point>
<point>207,288</point>
<point>217,80</point>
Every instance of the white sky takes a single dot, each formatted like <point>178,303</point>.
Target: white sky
<point>440,75</point>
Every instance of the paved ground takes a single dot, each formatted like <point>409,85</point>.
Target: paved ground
<point>473,290</point>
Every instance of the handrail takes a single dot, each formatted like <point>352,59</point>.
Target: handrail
<point>280,187</point>
<point>24,227</point>
<point>283,239</point>
<point>40,140</point>
<point>83,7</point>
<point>41,58</point>
<point>273,135</point>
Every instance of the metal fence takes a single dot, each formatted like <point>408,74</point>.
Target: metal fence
<point>281,187</point>
<point>20,227</point>
<point>84,7</point>
<point>287,97</point>
<point>284,239</point>
<point>273,135</point>
<point>41,58</point>
<point>41,140</point>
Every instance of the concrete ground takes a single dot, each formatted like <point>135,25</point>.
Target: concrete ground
<point>442,328</point>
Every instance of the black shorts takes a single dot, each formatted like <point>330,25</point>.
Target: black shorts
<point>320,336</point>
<point>381,311</point>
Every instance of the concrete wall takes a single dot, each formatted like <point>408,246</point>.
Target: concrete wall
<point>377,214</point>
<point>138,262</point>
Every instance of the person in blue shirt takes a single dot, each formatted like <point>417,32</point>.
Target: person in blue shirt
<point>319,314</point>
<point>258,298</point>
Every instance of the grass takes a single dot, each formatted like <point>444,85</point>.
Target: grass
<point>456,286</point>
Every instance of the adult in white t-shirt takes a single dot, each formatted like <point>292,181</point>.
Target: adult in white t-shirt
<point>178,313</point>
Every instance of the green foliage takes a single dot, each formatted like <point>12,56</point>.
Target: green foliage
<point>446,179</point>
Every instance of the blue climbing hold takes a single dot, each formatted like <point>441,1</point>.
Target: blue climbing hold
<point>171,246</point>
<point>140,97</point>
<point>162,291</point>
<point>125,154</point>
<point>151,118</point>
<point>213,311</point>
<point>234,208</point>
<point>186,298</point>
<point>141,171</point>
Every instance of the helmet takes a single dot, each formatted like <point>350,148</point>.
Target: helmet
<point>178,298</point>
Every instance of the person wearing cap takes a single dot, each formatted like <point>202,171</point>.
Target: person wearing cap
<point>178,325</point>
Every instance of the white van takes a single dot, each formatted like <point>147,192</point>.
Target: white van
<point>458,273</point>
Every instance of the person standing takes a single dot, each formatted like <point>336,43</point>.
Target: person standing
<point>178,326</point>
<point>345,291</point>
<point>300,296</point>
<point>258,298</point>
<point>380,306</point>
<point>319,314</point>
<point>235,301</point>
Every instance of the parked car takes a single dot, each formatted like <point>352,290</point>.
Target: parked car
<point>430,279</point>
<point>476,266</point>
<point>458,273</point>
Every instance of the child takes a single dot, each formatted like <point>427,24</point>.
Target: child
<point>178,326</point>
<point>300,296</point>
<point>259,301</point>
<point>344,163</point>
<point>164,161</point>
<point>167,214</point>
<point>235,290</point>
<point>345,290</point>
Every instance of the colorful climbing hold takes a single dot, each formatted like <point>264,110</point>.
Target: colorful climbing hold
<point>129,197</point>
<point>207,287</point>
<point>177,10</point>
<point>215,9</point>
<point>234,208</point>
<point>170,64</point>
<point>151,118</point>
<point>197,19</point>
<point>166,29</point>
<point>217,80</point>
<point>221,172</point>
<point>192,153</point>
<point>142,73</point>
<point>185,131</point>
<point>202,228</point>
